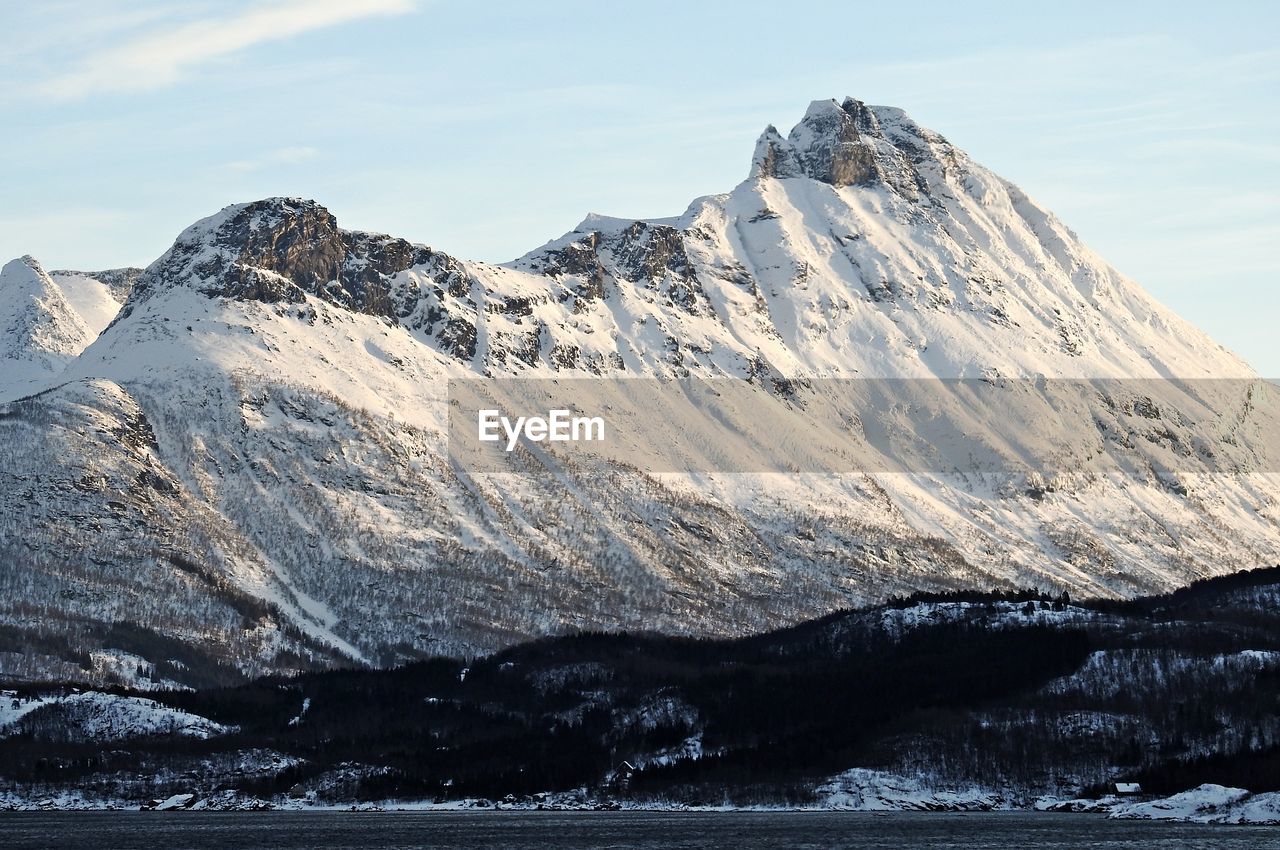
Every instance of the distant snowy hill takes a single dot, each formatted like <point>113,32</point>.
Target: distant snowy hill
<point>40,332</point>
<point>46,320</point>
<point>247,471</point>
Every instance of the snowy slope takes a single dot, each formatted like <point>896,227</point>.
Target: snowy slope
<point>96,296</point>
<point>102,717</point>
<point>259,438</point>
<point>1205,804</point>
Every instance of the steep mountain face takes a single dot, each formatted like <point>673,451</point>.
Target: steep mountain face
<point>258,440</point>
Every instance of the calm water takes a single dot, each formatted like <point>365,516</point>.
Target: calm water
<point>617,830</point>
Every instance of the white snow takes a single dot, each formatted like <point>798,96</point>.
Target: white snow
<point>1206,804</point>
<point>302,712</point>
<point>1256,808</point>
<point>40,332</point>
<point>13,708</point>
<point>95,716</point>
<point>177,801</point>
<point>92,299</point>
<point>866,790</point>
<point>46,321</point>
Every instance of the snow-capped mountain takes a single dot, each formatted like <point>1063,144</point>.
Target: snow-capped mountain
<point>248,470</point>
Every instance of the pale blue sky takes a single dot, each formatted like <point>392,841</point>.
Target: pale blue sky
<point>484,129</point>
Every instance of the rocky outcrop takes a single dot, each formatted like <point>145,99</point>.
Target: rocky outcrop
<point>281,250</point>
<point>852,144</point>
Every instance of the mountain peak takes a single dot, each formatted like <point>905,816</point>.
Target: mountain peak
<point>24,268</point>
<point>24,280</point>
<point>848,143</point>
<point>281,250</point>
<point>40,332</point>
<point>296,239</point>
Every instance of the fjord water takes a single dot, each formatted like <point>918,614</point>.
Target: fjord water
<point>617,830</point>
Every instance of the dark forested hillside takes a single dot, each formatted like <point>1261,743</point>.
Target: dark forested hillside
<point>1029,693</point>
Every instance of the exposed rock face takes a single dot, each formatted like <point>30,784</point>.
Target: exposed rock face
<point>645,254</point>
<point>298,242</point>
<point>281,250</point>
<point>852,144</point>
<point>774,156</point>
<point>831,147</point>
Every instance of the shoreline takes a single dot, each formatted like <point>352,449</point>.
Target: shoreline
<point>1207,804</point>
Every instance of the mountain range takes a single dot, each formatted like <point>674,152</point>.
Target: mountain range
<point>235,462</point>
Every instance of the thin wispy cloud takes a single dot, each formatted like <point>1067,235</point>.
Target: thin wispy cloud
<point>160,58</point>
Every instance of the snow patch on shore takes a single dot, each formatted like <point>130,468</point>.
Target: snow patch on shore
<point>1206,804</point>
<point>865,790</point>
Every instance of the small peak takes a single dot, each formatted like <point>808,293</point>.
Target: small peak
<point>850,113</point>
<point>288,206</point>
<point>826,145</point>
<point>254,216</point>
<point>842,143</point>
<point>274,213</point>
<point>266,250</point>
<point>774,156</point>
<point>27,261</point>
<point>863,116</point>
<point>770,134</point>
<point>278,250</point>
<point>25,271</point>
<point>608,224</point>
<point>831,122</point>
<point>818,108</point>
<point>296,238</point>
<point>603,223</point>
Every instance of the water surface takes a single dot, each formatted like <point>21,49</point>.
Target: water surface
<point>615,830</point>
